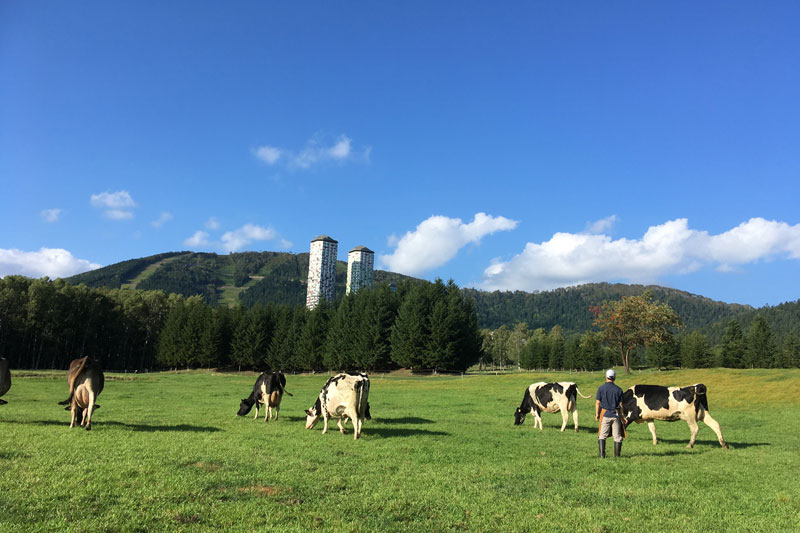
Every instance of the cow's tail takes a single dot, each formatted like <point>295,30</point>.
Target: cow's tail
<point>74,372</point>
<point>362,395</point>
<point>579,392</point>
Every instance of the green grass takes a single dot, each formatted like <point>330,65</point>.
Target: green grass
<point>167,453</point>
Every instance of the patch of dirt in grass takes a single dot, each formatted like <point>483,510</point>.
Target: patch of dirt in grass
<point>186,519</point>
<point>209,467</point>
<point>264,490</point>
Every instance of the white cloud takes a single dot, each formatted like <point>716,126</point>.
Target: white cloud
<point>52,262</point>
<point>438,239</point>
<point>316,151</point>
<point>601,226</point>
<point>165,217</point>
<point>51,215</point>
<point>233,241</point>
<point>198,240</point>
<point>212,223</point>
<point>670,248</point>
<point>116,205</point>
<point>268,154</point>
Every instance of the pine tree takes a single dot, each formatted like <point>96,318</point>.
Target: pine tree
<point>664,354</point>
<point>410,333</point>
<point>733,345</point>
<point>696,351</point>
<point>557,348</point>
<point>310,345</point>
<point>760,344</point>
<point>790,351</point>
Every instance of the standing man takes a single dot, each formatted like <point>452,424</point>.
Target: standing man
<point>608,410</point>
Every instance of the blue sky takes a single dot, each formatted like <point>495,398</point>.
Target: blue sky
<point>505,145</point>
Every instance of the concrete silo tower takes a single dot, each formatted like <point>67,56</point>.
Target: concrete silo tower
<point>321,270</point>
<point>360,262</point>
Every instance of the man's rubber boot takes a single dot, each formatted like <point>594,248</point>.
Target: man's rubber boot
<point>617,449</point>
<point>602,444</point>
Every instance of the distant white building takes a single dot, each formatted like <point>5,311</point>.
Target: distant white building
<point>321,270</point>
<point>360,263</point>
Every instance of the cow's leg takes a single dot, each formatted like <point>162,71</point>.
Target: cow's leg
<point>74,413</point>
<point>353,416</point>
<point>90,409</point>
<point>325,422</point>
<point>341,422</point>
<point>652,427</point>
<point>564,419</point>
<point>256,406</point>
<point>714,425</point>
<point>266,408</point>
<point>537,421</point>
<point>693,428</point>
<point>277,410</point>
<point>575,419</point>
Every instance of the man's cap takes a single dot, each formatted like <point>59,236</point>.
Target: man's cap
<point>610,374</point>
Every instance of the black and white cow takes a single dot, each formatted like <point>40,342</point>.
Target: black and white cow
<point>268,391</point>
<point>343,396</point>
<point>549,398</point>
<point>646,403</point>
<point>5,379</point>
<point>85,382</point>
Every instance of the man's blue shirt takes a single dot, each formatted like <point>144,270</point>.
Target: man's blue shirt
<point>610,397</point>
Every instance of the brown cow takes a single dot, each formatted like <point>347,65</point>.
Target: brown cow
<point>85,381</point>
<point>5,379</point>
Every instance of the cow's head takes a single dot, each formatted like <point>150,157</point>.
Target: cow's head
<point>245,406</point>
<point>519,416</point>
<point>313,414</point>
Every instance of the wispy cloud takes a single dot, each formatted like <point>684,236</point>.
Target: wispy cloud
<point>667,249</point>
<point>603,225</point>
<point>165,217</point>
<point>212,223</point>
<point>235,240</point>
<point>316,151</point>
<point>438,239</point>
<point>198,240</point>
<point>268,154</point>
<point>115,205</point>
<point>51,215</point>
<point>52,262</point>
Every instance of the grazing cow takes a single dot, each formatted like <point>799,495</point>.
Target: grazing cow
<point>268,390</point>
<point>646,403</point>
<point>85,381</point>
<point>549,398</point>
<point>5,379</point>
<point>343,396</point>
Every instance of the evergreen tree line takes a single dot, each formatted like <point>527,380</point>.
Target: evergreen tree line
<point>758,347</point>
<point>46,324</point>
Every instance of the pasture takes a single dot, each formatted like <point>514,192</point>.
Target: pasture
<point>167,453</point>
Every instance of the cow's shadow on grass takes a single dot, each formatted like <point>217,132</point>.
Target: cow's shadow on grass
<point>161,427</point>
<point>390,432</point>
<point>379,427</point>
<point>404,420</point>
<point>713,443</point>
<point>132,427</point>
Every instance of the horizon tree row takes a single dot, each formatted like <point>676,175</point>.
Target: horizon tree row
<point>46,324</point>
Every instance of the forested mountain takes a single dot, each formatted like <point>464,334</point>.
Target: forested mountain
<point>261,278</point>
<point>249,278</point>
<point>569,307</point>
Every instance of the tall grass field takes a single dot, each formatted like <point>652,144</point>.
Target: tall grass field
<point>167,453</point>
